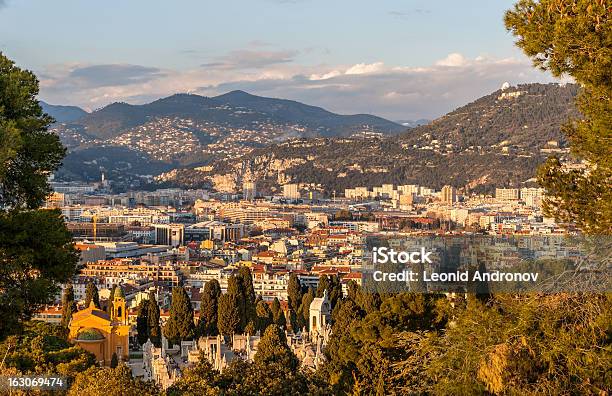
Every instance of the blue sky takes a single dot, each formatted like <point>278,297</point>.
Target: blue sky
<point>398,59</point>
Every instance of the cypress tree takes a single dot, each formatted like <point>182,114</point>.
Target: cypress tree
<point>305,306</point>
<point>142,322</point>
<point>293,321</point>
<point>228,321</point>
<point>278,314</point>
<point>249,297</point>
<point>114,361</point>
<point>180,325</point>
<point>69,306</point>
<point>335,290</point>
<point>275,307</point>
<point>235,288</point>
<point>153,326</point>
<point>323,285</point>
<point>264,316</point>
<point>91,294</point>
<point>209,308</point>
<point>294,292</point>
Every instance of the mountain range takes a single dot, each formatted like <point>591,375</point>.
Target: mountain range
<point>63,113</point>
<point>497,140</point>
<point>191,140</point>
<point>187,129</point>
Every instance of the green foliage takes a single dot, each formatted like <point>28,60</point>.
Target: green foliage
<point>180,325</point>
<point>201,379</point>
<point>209,308</point>
<point>294,292</point>
<point>304,313</point>
<point>333,287</point>
<point>273,348</point>
<point>248,296</point>
<point>142,322</point>
<point>114,361</point>
<point>91,294</point>
<point>153,316</point>
<point>69,306</point>
<point>118,381</point>
<point>28,151</point>
<point>323,285</point>
<point>35,248</point>
<point>236,288</point>
<point>264,316</point>
<point>572,37</point>
<point>228,320</point>
<point>278,315</point>
<point>243,378</point>
<point>534,344</point>
<point>41,348</point>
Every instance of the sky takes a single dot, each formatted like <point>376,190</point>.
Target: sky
<point>399,59</point>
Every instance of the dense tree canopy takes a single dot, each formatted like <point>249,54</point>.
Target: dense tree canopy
<point>209,307</point>
<point>41,348</point>
<point>91,294</point>
<point>574,38</point>
<point>36,250</point>
<point>153,316</point>
<point>180,325</point>
<point>69,306</point>
<point>118,381</point>
<point>142,322</point>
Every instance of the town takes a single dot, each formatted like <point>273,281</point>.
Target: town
<point>137,247</point>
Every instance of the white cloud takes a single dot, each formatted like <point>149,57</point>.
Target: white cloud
<point>394,92</point>
<point>453,60</point>
<point>364,68</point>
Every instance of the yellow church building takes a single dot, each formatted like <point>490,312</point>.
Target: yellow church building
<point>100,333</point>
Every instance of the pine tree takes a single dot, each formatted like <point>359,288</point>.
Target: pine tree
<point>294,292</point>
<point>37,250</point>
<point>91,294</point>
<point>273,349</point>
<point>228,320</point>
<point>153,326</point>
<point>180,325</point>
<point>69,306</point>
<point>114,361</point>
<point>209,308</point>
<point>142,322</point>
<point>264,316</point>
<point>572,37</point>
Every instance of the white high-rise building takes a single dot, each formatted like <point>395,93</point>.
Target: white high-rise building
<point>507,194</point>
<point>249,190</point>
<point>291,191</point>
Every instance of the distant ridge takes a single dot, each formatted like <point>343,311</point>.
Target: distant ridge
<point>63,113</point>
<point>116,118</point>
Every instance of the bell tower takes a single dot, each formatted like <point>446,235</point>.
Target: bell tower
<point>119,312</point>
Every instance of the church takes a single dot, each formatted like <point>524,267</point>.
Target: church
<point>100,333</point>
